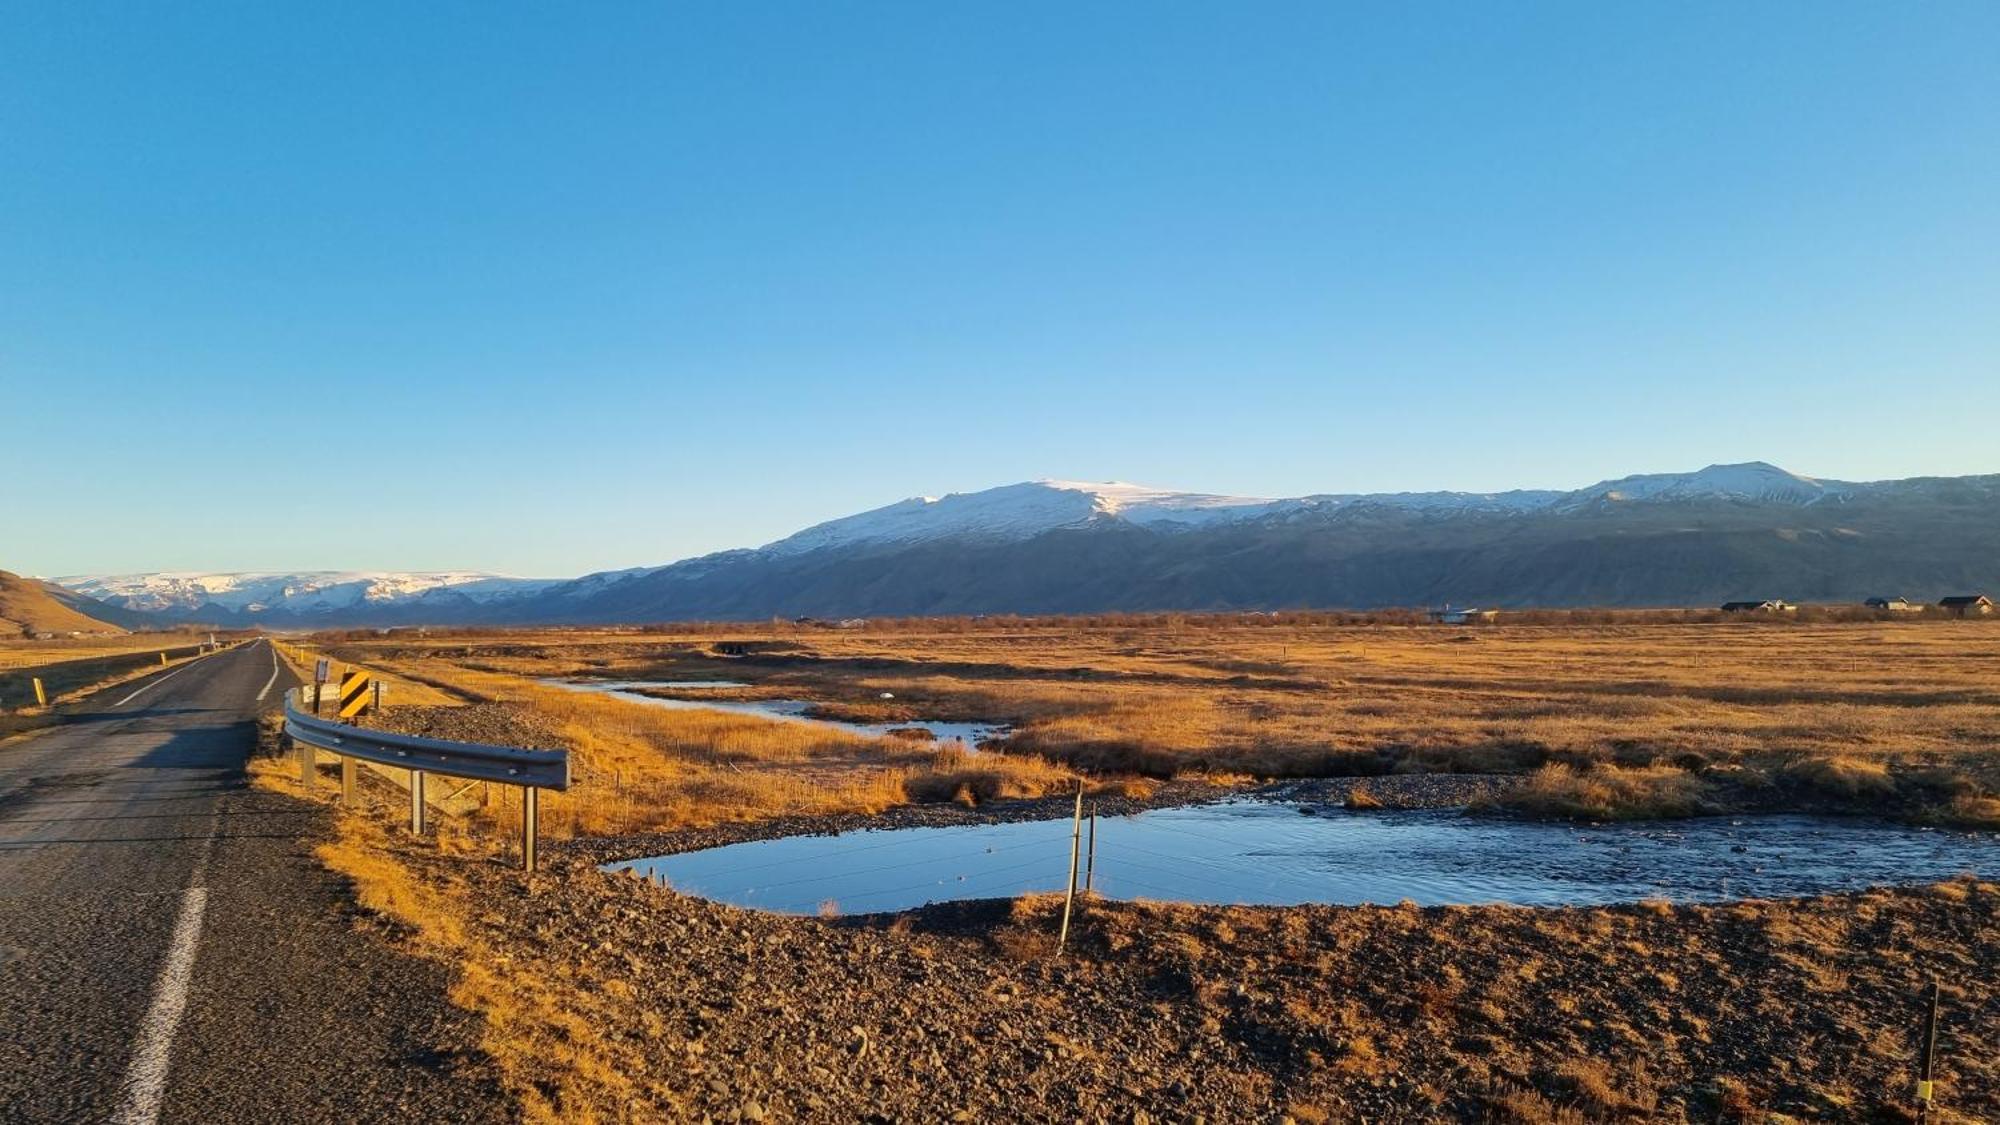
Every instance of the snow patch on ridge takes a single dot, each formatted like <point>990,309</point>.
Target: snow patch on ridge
<point>1022,511</point>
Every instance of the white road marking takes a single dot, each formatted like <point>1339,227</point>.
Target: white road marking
<point>146,1081</point>
<point>164,679</point>
<point>274,675</point>
<point>146,1078</point>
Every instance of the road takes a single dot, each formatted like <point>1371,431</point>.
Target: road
<point>171,951</point>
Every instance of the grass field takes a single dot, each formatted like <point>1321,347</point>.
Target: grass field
<point>636,768</point>
<point>592,987</point>
<point>1601,718</point>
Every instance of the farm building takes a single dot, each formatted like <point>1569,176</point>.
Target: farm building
<point>1893,605</point>
<point>1771,605</point>
<point>1967,605</point>
<point>1450,616</point>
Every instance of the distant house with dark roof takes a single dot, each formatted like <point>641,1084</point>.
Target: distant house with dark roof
<point>1450,615</point>
<point>1893,605</point>
<point>1967,605</point>
<point>1769,605</point>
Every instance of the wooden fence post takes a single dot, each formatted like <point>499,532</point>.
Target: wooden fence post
<point>1075,841</point>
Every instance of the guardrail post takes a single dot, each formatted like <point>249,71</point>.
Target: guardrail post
<point>307,760</point>
<point>417,802</point>
<point>531,816</point>
<point>348,781</point>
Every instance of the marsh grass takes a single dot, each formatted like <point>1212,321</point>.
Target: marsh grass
<point>637,768</point>
<point>1323,695</point>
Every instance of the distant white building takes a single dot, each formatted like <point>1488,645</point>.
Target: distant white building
<point>1465,616</point>
<point>1769,605</point>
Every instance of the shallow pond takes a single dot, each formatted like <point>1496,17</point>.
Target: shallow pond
<point>785,710</point>
<point>1260,852</point>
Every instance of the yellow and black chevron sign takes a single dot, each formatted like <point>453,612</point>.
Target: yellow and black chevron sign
<point>353,693</point>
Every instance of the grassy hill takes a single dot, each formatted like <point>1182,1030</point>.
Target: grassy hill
<point>31,606</point>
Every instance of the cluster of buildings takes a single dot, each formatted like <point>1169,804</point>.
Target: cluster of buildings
<point>1958,605</point>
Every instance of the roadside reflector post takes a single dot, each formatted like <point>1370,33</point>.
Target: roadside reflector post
<point>417,802</point>
<point>41,697</point>
<point>531,815</point>
<point>1927,1058</point>
<point>377,705</point>
<point>1075,842</point>
<point>349,777</point>
<point>163,658</point>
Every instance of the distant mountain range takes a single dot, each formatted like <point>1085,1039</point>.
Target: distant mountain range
<point>1724,532</point>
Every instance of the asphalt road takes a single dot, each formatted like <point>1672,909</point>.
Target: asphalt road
<point>171,951</point>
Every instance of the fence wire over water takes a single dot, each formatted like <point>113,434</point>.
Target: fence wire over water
<point>1254,852</point>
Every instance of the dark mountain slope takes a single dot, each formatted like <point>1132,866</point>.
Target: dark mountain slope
<point>1696,553</point>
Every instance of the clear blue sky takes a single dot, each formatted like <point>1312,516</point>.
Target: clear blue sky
<point>551,288</point>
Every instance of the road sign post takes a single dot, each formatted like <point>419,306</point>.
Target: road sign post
<point>531,816</point>
<point>417,802</point>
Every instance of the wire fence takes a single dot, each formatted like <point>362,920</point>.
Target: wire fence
<point>827,874</point>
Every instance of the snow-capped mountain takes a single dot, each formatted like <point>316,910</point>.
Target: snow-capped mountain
<point>304,593</point>
<point>1751,481</point>
<point>1022,511</point>
<point>1749,530</point>
<point>1057,546</point>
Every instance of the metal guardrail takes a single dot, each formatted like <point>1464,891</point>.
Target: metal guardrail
<point>532,770</point>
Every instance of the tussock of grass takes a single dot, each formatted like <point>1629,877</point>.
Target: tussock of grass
<point>972,779</point>
<point>1607,793</point>
<point>1972,812</point>
<point>1844,776</point>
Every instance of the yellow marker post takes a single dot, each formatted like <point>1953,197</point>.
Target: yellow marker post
<point>41,697</point>
<point>163,658</point>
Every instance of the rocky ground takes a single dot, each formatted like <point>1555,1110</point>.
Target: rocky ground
<point>967,1012</point>
<point>652,1005</point>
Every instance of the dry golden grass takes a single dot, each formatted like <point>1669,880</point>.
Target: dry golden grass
<point>1609,792</point>
<point>638,768</point>
<point>1836,707</point>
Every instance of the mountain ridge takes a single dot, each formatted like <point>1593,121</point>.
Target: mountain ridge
<point>1749,529</point>
<point>29,605</point>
